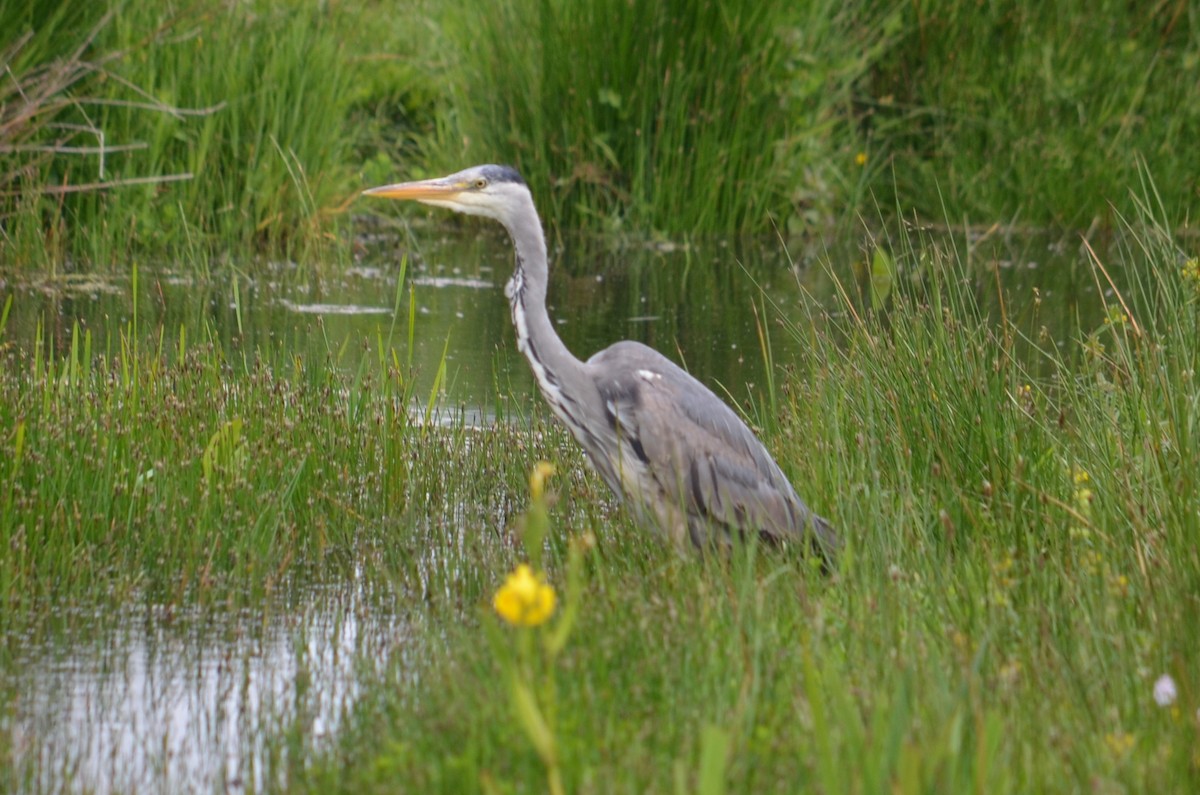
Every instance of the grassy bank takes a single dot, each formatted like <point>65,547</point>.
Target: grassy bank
<point>682,118</point>
<point>1041,114</point>
<point>193,129</point>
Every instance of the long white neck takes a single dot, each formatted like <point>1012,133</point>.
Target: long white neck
<point>558,373</point>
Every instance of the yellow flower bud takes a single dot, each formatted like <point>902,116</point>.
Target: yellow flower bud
<point>537,480</point>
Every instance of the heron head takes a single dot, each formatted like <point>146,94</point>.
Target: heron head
<point>496,192</point>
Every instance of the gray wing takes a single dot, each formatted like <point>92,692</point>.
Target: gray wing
<point>697,453</point>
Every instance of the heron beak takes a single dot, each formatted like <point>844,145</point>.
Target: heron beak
<point>418,191</point>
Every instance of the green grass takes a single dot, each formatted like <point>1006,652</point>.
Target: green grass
<point>193,129</point>
<point>1038,113</point>
<point>680,118</point>
<point>186,130</point>
<point>155,468</point>
<point>164,464</point>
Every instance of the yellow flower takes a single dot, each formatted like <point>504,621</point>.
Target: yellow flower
<point>1191,269</point>
<point>1120,743</point>
<point>524,600</point>
<point>537,480</point>
<point>860,159</point>
<point>1083,501</point>
<point>1191,274</point>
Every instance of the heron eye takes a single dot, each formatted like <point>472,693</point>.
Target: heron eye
<point>480,183</point>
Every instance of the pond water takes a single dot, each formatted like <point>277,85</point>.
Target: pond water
<point>145,701</point>
<point>702,307</point>
<point>149,700</point>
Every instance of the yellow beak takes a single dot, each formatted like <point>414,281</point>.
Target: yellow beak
<point>418,191</point>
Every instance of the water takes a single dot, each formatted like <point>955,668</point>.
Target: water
<point>697,308</point>
<point>145,699</point>
<point>696,305</point>
<point>163,701</point>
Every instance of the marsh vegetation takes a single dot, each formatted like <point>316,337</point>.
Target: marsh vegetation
<point>264,461</point>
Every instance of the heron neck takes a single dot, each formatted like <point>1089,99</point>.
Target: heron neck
<point>536,338</point>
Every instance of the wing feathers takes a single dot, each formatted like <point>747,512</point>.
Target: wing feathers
<point>697,452</point>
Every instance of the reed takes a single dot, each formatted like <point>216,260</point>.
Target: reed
<point>188,130</point>
<point>678,118</point>
<point>1043,114</point>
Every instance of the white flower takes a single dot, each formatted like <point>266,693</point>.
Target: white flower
<point>1165,691</point>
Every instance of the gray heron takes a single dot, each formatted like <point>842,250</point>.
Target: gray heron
<point>669,448</point>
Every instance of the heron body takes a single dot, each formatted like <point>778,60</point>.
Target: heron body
<point>668,447</point>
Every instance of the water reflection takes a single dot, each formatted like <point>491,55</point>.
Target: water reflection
<point>696,307</point>
<point>333,309</point>
<point>704,307</point>
<point>164,702</point>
